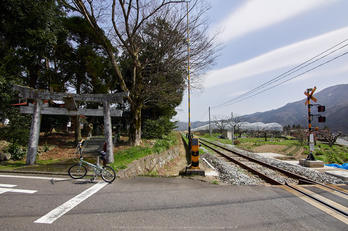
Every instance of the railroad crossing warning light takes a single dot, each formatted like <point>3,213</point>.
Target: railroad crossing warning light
<point>195,153</point>
<point>321,108</point>
<point>321,119</point>
<point>316,128</point>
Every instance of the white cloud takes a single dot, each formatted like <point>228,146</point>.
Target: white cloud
<point>289,56</point>
<point>257,14</point>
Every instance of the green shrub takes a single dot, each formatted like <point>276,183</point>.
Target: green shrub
<point>319,152</point>
<point>19,136</point>
<point>156,129</point>
<point>236,142</point>
<point>16,151</point>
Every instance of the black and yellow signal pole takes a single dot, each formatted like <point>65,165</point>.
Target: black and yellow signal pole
<point>309,93</point>
<point>188,77</point>
<point>193,141</point>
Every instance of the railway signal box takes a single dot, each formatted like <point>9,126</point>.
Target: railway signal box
<point>321,108</point>
<point>321,119</point>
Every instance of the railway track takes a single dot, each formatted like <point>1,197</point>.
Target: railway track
<point>307,189</point>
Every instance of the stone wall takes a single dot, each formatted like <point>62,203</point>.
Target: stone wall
<point>149,163</point>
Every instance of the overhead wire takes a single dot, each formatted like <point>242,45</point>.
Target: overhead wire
<point>291,78</point>
<point>287,73</point>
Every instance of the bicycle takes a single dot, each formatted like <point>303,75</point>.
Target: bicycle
<point>79,170</point>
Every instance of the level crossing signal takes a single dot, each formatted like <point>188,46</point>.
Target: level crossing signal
<point>321,119</point>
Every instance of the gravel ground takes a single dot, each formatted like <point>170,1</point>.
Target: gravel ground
<point>231,174</point>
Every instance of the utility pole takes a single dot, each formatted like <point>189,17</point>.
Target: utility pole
<point>189,136</point>
<point>209,124</point>
<point>232,128</point>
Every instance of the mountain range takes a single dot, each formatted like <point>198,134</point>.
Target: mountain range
<point>335,100</point>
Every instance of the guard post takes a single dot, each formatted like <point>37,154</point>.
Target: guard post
<point>195,153</point>
<point>194,168</point>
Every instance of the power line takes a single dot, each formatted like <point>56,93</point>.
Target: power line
<point>322,64</point>
<point>291,71</point>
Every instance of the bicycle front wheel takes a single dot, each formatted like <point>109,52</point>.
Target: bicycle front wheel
<point>108,174</point>
<point>77,171</point>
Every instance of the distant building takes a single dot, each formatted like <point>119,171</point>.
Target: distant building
<point>244,126</point>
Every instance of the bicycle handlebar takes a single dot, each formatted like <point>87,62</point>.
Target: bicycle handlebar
<point>79,146</point>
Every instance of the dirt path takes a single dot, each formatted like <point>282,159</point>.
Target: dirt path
<point>270,148</point>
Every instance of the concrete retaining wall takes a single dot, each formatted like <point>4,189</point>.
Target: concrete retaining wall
<point>149,163</point>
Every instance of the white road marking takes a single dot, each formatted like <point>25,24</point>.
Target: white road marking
<point>3,190</point>
<point>33,177</point>
<point>10,188</point>
<point>8,185</point>
<point>56,213</point>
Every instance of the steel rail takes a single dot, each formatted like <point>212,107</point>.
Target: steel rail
<point>255,172</point>
<point>302,179</point>
<point>318,200</point>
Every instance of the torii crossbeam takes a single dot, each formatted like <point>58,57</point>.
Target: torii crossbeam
<point>71,109</point>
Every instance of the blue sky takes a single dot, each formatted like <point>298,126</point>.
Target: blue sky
<point>263,39</point>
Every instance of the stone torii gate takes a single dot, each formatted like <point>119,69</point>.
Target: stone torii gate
<point>70,109</point>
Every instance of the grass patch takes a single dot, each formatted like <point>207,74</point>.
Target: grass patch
<point>127,156</point>
<point>295,150</point>
<point>332,155</point>
<point>122,158</point>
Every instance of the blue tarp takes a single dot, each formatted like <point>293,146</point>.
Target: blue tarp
<point>343,166</point>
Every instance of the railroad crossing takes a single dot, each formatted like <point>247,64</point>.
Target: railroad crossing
<point>147,203</point>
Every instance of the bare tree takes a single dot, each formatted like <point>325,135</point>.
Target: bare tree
<point>127,22</point>
<point>236,122</point>
<point>301,135</point>
<point>329,136</point>
<point>221,122</point>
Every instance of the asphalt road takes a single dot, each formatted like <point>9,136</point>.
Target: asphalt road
<point>153,204</point>
<point>342,142</point>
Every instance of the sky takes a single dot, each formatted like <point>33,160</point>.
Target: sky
<point>273,50</point>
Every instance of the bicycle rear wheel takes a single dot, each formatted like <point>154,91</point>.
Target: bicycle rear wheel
<point>77,171</point>
<point>108,174</point>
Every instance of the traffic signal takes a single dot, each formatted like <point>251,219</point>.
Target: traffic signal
<point>321,108</point>
<point>321,119</point>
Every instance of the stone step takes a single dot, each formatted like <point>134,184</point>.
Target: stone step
<point>93,145</point>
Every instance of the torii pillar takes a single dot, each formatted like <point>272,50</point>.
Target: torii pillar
<point>34,132</point>
<point>108,133</point>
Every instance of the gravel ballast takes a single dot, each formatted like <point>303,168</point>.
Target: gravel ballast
<point>232,174</point>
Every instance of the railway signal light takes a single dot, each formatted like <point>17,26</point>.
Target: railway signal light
<point>321,108</point>
<point>321,119</point>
